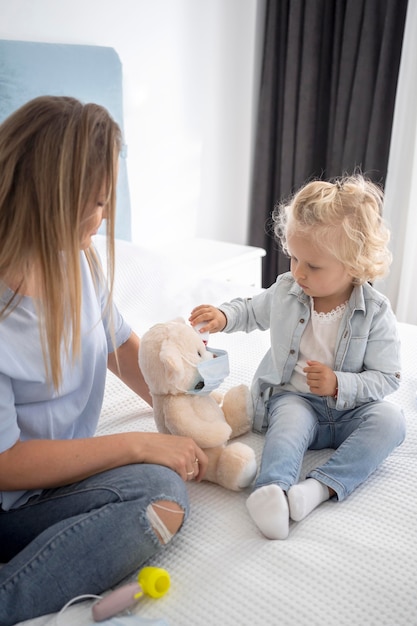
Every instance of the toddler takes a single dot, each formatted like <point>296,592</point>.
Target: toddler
<point>334,352</point>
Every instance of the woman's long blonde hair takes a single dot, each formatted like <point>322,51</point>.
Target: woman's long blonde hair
<point>55,155</point>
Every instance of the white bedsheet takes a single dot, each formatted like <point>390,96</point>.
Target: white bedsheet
<point>348,564</point>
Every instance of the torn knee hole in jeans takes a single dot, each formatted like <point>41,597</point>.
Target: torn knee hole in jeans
<point>164,534</point>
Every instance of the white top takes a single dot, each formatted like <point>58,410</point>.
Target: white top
<point>30,408</point>
<point>318,343</point>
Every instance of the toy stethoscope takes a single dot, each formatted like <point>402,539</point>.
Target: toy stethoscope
<point>152,581</point>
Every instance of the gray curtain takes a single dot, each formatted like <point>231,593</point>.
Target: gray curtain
<point>326,103</point>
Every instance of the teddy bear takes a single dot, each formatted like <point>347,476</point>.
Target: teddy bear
<point>176,364</point>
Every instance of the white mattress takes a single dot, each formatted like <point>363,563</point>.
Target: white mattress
<point>348,564</point>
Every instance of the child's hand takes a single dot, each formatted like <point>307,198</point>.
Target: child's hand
<point>321,379</point>
<point>213,319</point>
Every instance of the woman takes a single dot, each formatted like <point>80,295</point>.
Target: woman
<point>78,513</point>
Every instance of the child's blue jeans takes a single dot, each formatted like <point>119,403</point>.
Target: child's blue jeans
<point>362,438</point>
<point>80,539</point>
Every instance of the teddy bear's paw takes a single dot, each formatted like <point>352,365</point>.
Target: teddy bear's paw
<point>238,410</point>
<point>248,474</point>
<point>236,466</point>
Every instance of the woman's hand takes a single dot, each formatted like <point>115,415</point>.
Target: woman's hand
<point>213,319</point>
<point>181,454</point>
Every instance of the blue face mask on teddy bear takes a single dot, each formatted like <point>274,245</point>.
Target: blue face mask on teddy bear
<point>212,372</point>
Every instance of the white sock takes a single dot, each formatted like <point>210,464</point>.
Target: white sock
<point>268,507</point>
<point>305,497</point>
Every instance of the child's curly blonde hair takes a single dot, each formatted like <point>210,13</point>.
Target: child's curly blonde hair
<point>345,218</point>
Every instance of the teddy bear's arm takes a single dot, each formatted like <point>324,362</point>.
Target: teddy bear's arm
<point>198,418</point>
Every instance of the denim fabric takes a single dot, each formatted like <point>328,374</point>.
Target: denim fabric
<point>363,438</point>
<point>80,539</point>
<point>367,359</point>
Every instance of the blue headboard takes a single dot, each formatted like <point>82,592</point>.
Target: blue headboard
<point>89,73</point>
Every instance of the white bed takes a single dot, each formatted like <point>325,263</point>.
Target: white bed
<point>348,564</point>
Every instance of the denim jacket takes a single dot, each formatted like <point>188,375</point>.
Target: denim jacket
<point>367,358</point>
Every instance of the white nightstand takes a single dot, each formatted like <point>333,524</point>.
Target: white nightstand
<point>229,262</point>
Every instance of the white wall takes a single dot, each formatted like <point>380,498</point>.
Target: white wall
<point>401,184</point>
<point>189,84</point>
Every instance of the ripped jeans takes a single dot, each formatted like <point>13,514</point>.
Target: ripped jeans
<point>79,539</point>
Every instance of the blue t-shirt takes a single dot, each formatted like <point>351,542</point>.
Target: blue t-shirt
<point>30,407</point>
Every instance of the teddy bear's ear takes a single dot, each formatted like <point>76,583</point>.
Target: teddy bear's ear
<point>171,358</point>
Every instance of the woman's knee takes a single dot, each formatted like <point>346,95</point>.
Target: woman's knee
<point>166,518</point>
<point>169,505</point>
